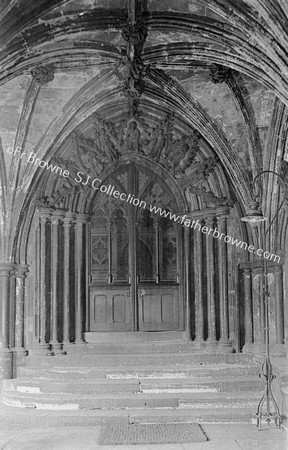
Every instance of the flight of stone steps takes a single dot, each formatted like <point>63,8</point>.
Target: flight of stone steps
<point>141,381</point>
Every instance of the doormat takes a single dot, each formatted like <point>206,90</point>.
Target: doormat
<point>154,433</point>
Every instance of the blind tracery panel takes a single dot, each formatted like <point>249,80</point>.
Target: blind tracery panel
<point>155,238</point>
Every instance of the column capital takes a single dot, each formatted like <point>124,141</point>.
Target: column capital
<point>278,268</point>
<point>44,212</point>
<point>21,270</point>
<point>56,216</point>
<point>69,215</point>
<point>200,214</point>
<point>222,212</point>
<point>209,220</point>
<point>81,218</point>
<point>69,220</point>
<point>187,230</point>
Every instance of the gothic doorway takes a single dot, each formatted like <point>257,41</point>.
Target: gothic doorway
<point>135,256</point>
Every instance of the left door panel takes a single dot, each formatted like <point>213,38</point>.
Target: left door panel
<point>110,309</point>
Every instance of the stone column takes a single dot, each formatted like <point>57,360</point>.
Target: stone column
<point>211,308</point>
<point>258,308</point>
<point>6,269</point>
<point>224,343</point>
<point>36,284</point>
<point>157,249</point>
<point>110,276</point>
<point>44,336</point>
<point>20,273</point>
<point>199,287</point>
<point>187,282</point>
<point>80,280</point>
<point>55,276</point>
<point>67,223</point>
<point>279,348</point>
<point>248,347</point>
<point>12,308</point>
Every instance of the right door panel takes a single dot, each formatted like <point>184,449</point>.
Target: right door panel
<point>158,308</point>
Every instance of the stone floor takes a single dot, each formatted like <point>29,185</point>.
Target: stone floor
<point>221,437</point>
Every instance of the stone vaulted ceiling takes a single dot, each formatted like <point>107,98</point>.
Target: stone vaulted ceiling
<point>217,68</point>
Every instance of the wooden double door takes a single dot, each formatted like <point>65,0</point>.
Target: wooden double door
<point>135,257</point>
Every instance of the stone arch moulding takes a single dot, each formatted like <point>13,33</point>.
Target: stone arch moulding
<point>102,90</point>
<point>36,174</point>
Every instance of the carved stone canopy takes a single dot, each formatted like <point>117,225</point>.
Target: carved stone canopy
<point>110,144</point>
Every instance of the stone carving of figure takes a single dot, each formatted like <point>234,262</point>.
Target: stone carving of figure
<point>157,139</point>
<point>158,143</point>
<point>132,137</point>
<point>107,139</point>
<point>177,152</point>
<point>112,141</point>
<point>121,132</point>
<point>190,155</point>
<point>106,146</point>
<point>86,153</point>
<point>145,137</point>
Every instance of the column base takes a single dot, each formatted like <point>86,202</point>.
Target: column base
<point>19,352</point>
<point>6,364</point>
<point>76,348</point>
<point>19,356</point>
<point>42,350</point>
<point>225,346</point>
<point>79,342</point>
<point>57,348</point>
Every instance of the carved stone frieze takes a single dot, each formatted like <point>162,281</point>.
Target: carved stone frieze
<point>109,142</point>
<point>56,200</point>
<point>159,143</point>
<point>209,197</point>
<point>200,172</point>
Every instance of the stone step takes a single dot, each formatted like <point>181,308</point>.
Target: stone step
<point>142,347</point>
<point>148,359</point>
<point>34,417</point>
<point>200,370</point>
<point>87,386</point>
<point>135,372</point>
<point>134,337</point>
<point>145,385</point>
<point>126,401</point>
<point>239,384</point>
